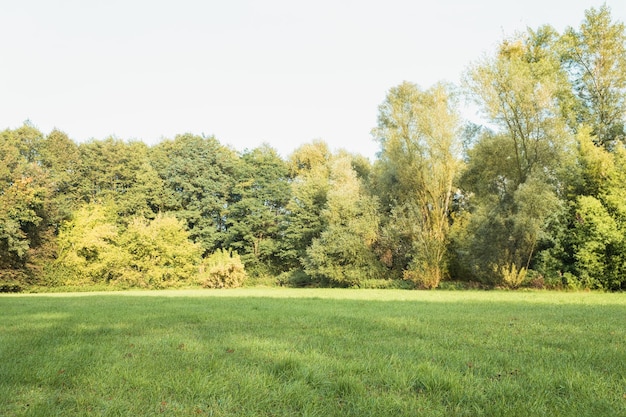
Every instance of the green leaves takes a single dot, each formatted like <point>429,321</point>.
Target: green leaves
<point>419,160</point>
<point>539,189</point>
<point>148,254</point>
<point>595,57</point>
<point>198,176</point>
<point>342,254</point>
<point>258,209</point>
<point>23,198</point>
<point>159,253</point>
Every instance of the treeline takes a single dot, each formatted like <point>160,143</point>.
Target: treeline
<point>535,196</point>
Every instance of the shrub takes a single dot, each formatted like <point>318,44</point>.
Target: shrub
<point>222,269</point>
<point>424,277</point>
<point>87,248</point>
<point>570,281</point>
<point>159,254</point>
<point>295,278</point>
<point>385,284</point>
<point>512,277</point>
<point>11,286</point>
<point>535,280</point>
<point>147,254</point>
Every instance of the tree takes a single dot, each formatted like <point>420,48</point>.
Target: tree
<point>119,172</point>
<point>342,255</point>
<point>198,175</point>
<point>159,253</point>
<point>310,170</point>
<point>88,247</point>
<point>61,160</point>
<point>595,58</point>
<point>418,132</point>
<point>514,171</point>
<point>592,246</point>
<point>24,208</point>
<point>258,209</point>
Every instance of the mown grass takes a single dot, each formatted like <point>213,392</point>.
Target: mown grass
<point>286,352</point>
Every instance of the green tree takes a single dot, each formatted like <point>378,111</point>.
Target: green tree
<point>595,58</point>
<point>199,175</point>
<point>61,160</point>
<point>593,245</point>
<point>258,209</point>
<point>159,254</point>
<point>342,255</point>
<point>598,243</point>
<point>418,132</point>
<point>310,170</point>
<point>120,172</point>
<point>88,247</point>
<point>24,208</point>
<point>514,171</point>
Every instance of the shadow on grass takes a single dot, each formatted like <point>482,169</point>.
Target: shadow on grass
<point>120,355</point>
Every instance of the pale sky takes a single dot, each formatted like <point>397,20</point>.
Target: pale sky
<point>276,71</point>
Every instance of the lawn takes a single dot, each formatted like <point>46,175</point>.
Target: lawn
<point>288,352</point>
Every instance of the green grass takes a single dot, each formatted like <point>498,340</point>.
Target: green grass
<point>314,352</point>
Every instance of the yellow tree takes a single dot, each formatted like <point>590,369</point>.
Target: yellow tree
<point>418,132</point>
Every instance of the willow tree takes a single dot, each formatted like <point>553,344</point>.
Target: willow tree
<point>419,159</point>
<point>514,167</point>
<point>595,58</point>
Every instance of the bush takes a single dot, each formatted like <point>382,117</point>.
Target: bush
<point>261,281</point>
<point>158,254</point>
<point>535,280</point>
<point>462,286</point>
<point>147,254</point>
<point>11,286</point>
<point>387,284</point>
<point>511,276</point>
<point>295,278</point>
<point>423,277</point>
<point>222,269</point>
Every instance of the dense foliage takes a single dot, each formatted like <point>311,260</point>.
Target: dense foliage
<point>533,196</point>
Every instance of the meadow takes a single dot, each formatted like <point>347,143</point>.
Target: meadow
<point>313,352</point>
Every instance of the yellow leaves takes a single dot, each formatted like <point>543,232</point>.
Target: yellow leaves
<point>511,276</point>
<point>153,253</point>
<point>512,49</point>
<point>597,162</point>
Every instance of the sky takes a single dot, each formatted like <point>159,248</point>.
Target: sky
<point>281,72</point>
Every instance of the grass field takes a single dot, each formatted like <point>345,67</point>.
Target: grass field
<point>288,352</point>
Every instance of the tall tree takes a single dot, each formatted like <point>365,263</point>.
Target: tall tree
<point>61,159</point>
<point>513,170</point>
<point>24,208</point>
<point>116,171</point>
<point>258,209</point>
<point>343,253</point>
<point>418,132</point>
<point>310,169</point>
<point>199,175</point>
<point>595,57</point>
